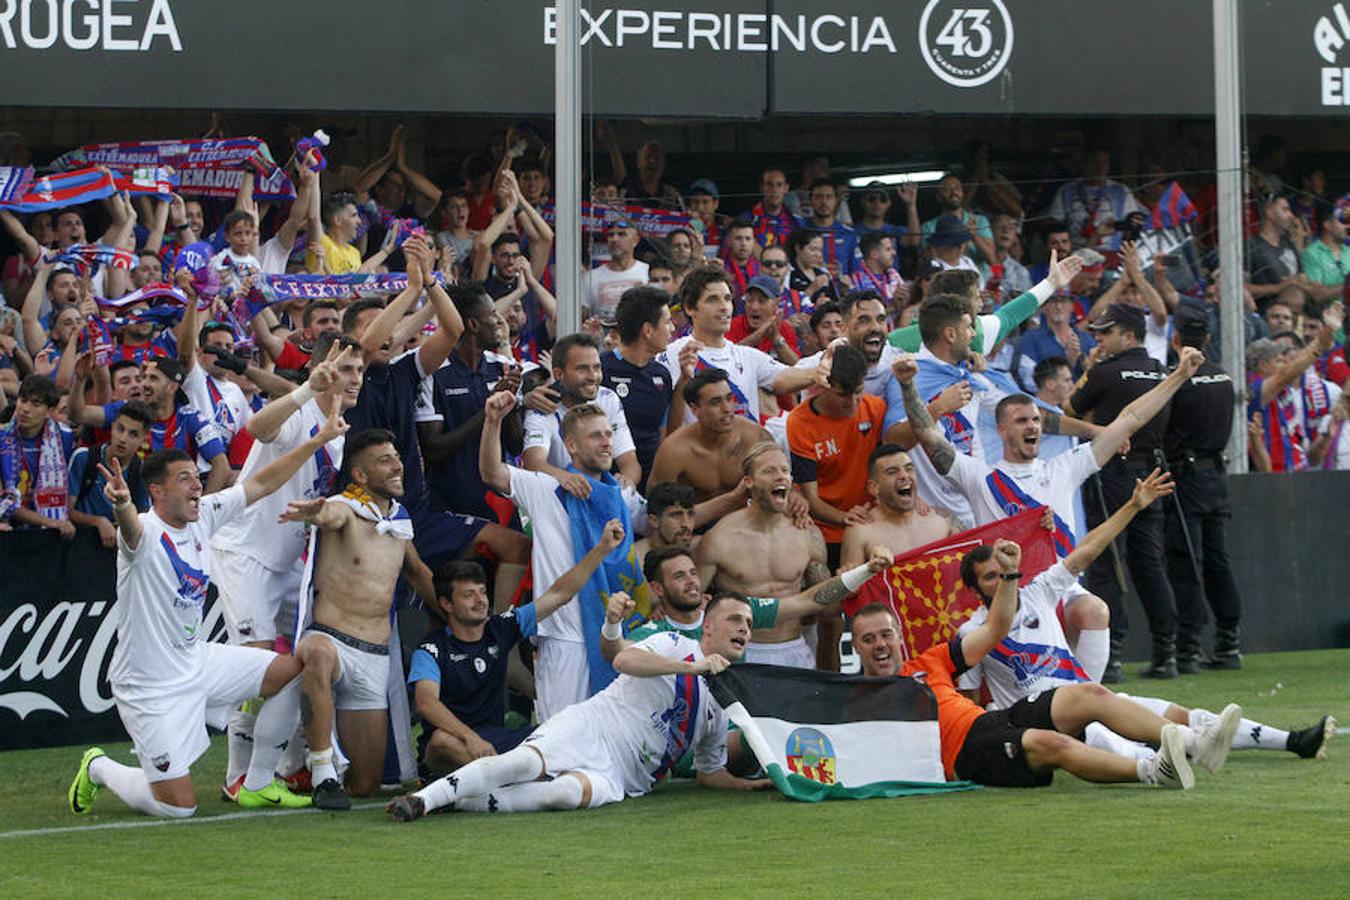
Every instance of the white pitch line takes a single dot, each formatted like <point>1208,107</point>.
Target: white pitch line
<point>156,823</point>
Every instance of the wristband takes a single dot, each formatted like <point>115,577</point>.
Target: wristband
<point>856,577</point>
<point>1011,576</point>
<point>302,395</point>
<point>612,631</point>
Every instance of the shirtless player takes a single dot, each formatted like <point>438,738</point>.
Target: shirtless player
<point>895,522</point>
<point>759,552</point>
<point>706,454</point>
<point>365,544</point>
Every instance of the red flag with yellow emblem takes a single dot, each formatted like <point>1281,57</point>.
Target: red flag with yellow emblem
<point>923,587</point>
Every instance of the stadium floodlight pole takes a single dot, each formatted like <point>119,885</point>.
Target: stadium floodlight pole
<point>1228,142</point>
<point>567,165</point>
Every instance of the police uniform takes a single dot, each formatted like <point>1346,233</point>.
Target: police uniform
<point>1108,388</point>
<point>1202,419</point>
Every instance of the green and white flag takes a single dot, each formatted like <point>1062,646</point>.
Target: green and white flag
<point>823,736</point>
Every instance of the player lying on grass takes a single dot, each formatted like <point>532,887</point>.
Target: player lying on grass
<point>164,674</point>
<point>1035,656</point>
<point>1023,745</point>
<point>619,742</point>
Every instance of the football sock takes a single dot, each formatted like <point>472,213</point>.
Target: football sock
<point>293,760</point>
<point>321,766</point>
<point>131,785</point>
<point>1093,650</point>
<point>483,776</point>
<point>240,734</point>
<point>1098,735</point>
<point>532,796</point>
<point>1189,735</point>
<point>276,722</point>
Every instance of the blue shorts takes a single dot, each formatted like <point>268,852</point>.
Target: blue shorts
<point>442,536</point>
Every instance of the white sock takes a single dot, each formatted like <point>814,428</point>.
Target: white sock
<point>1143,770</point>
<point>1093,650</point>
<point>293,760</point>
<point>1190,736</point>
<point>131,785</point>
<point>321,766</point>
<point>276,722</point>
<point>532,796</point>
<point>240,733</point>
<point>1098,735</point>
<point>1249,736</point>
<point>482,777</point>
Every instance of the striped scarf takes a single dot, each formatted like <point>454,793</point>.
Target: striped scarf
<point>49,483</point>
<point>65,189</point>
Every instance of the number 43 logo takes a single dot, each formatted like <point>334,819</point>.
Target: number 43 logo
<point>966,44</point>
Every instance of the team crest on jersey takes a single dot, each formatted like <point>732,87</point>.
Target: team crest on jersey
<point>161,762</point>
<point>478,665</point>
<point>621,389</point>
<point>811,755</point>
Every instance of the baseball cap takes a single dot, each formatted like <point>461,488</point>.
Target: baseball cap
<point>705,186</point>
<point>1191,322</point>
<point>949,231</point>
<point>1131,317</point>
<point>769,287</point>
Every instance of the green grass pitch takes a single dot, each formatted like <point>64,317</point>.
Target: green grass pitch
<point>1268,824</point>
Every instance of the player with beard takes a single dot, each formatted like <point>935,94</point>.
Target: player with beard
<point>707,453</point>
<point>577,374</point>
<point>670,519</point>
<point>1021,480</point>
<point>255,559</point>
<point>618,743</point>
<point>760,552</point>
<point>1023,745</point>
<point>895,522</point>
<point>364,544</point>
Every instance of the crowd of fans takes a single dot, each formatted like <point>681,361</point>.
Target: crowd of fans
<point>737,379</point>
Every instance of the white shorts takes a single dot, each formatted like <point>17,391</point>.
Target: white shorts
<point>254,598</point>
<point>363,670</point>
<point>569,743</point>
<point>794,653</point>
<point>562,676</point>
<point>169,730</point>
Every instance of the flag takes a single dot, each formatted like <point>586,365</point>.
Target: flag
<point>1174,209</point>
<point>648,221</point>
<point>63,189</point>
<point>923,587</point>
<point>14,182</point>
<point>824,736</point>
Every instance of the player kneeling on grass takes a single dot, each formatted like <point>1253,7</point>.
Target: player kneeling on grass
<point>458,672</point>
<point>164,674</point>
<point>621,741</point>
<point>365,543</point>
<point>1023,745</point>
<point>1035,656</point>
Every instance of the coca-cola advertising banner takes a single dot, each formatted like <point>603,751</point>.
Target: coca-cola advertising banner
<point>57,633</point>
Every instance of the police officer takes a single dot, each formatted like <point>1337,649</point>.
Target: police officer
<point>1125,373</point>
<point>1197,516</point>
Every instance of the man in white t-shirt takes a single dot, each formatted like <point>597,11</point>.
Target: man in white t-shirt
<point>1021,480</point>
<point>562,668</point>
<point>618,743</point>
<point>578,372</point>
<point>255,558</point>
<point>706,295</point>
<point>166,678</point>
<point>601,288</point>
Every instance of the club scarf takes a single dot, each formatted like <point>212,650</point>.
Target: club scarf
<point>50,489</point>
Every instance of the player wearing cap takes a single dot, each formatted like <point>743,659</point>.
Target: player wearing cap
<point>1125,374</point>
<point>1023,745</point>
<point>601,288</point>
<point>165,676</point>
<point>702,200</point>
<point>177,424</point>
<point>620,742</point>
